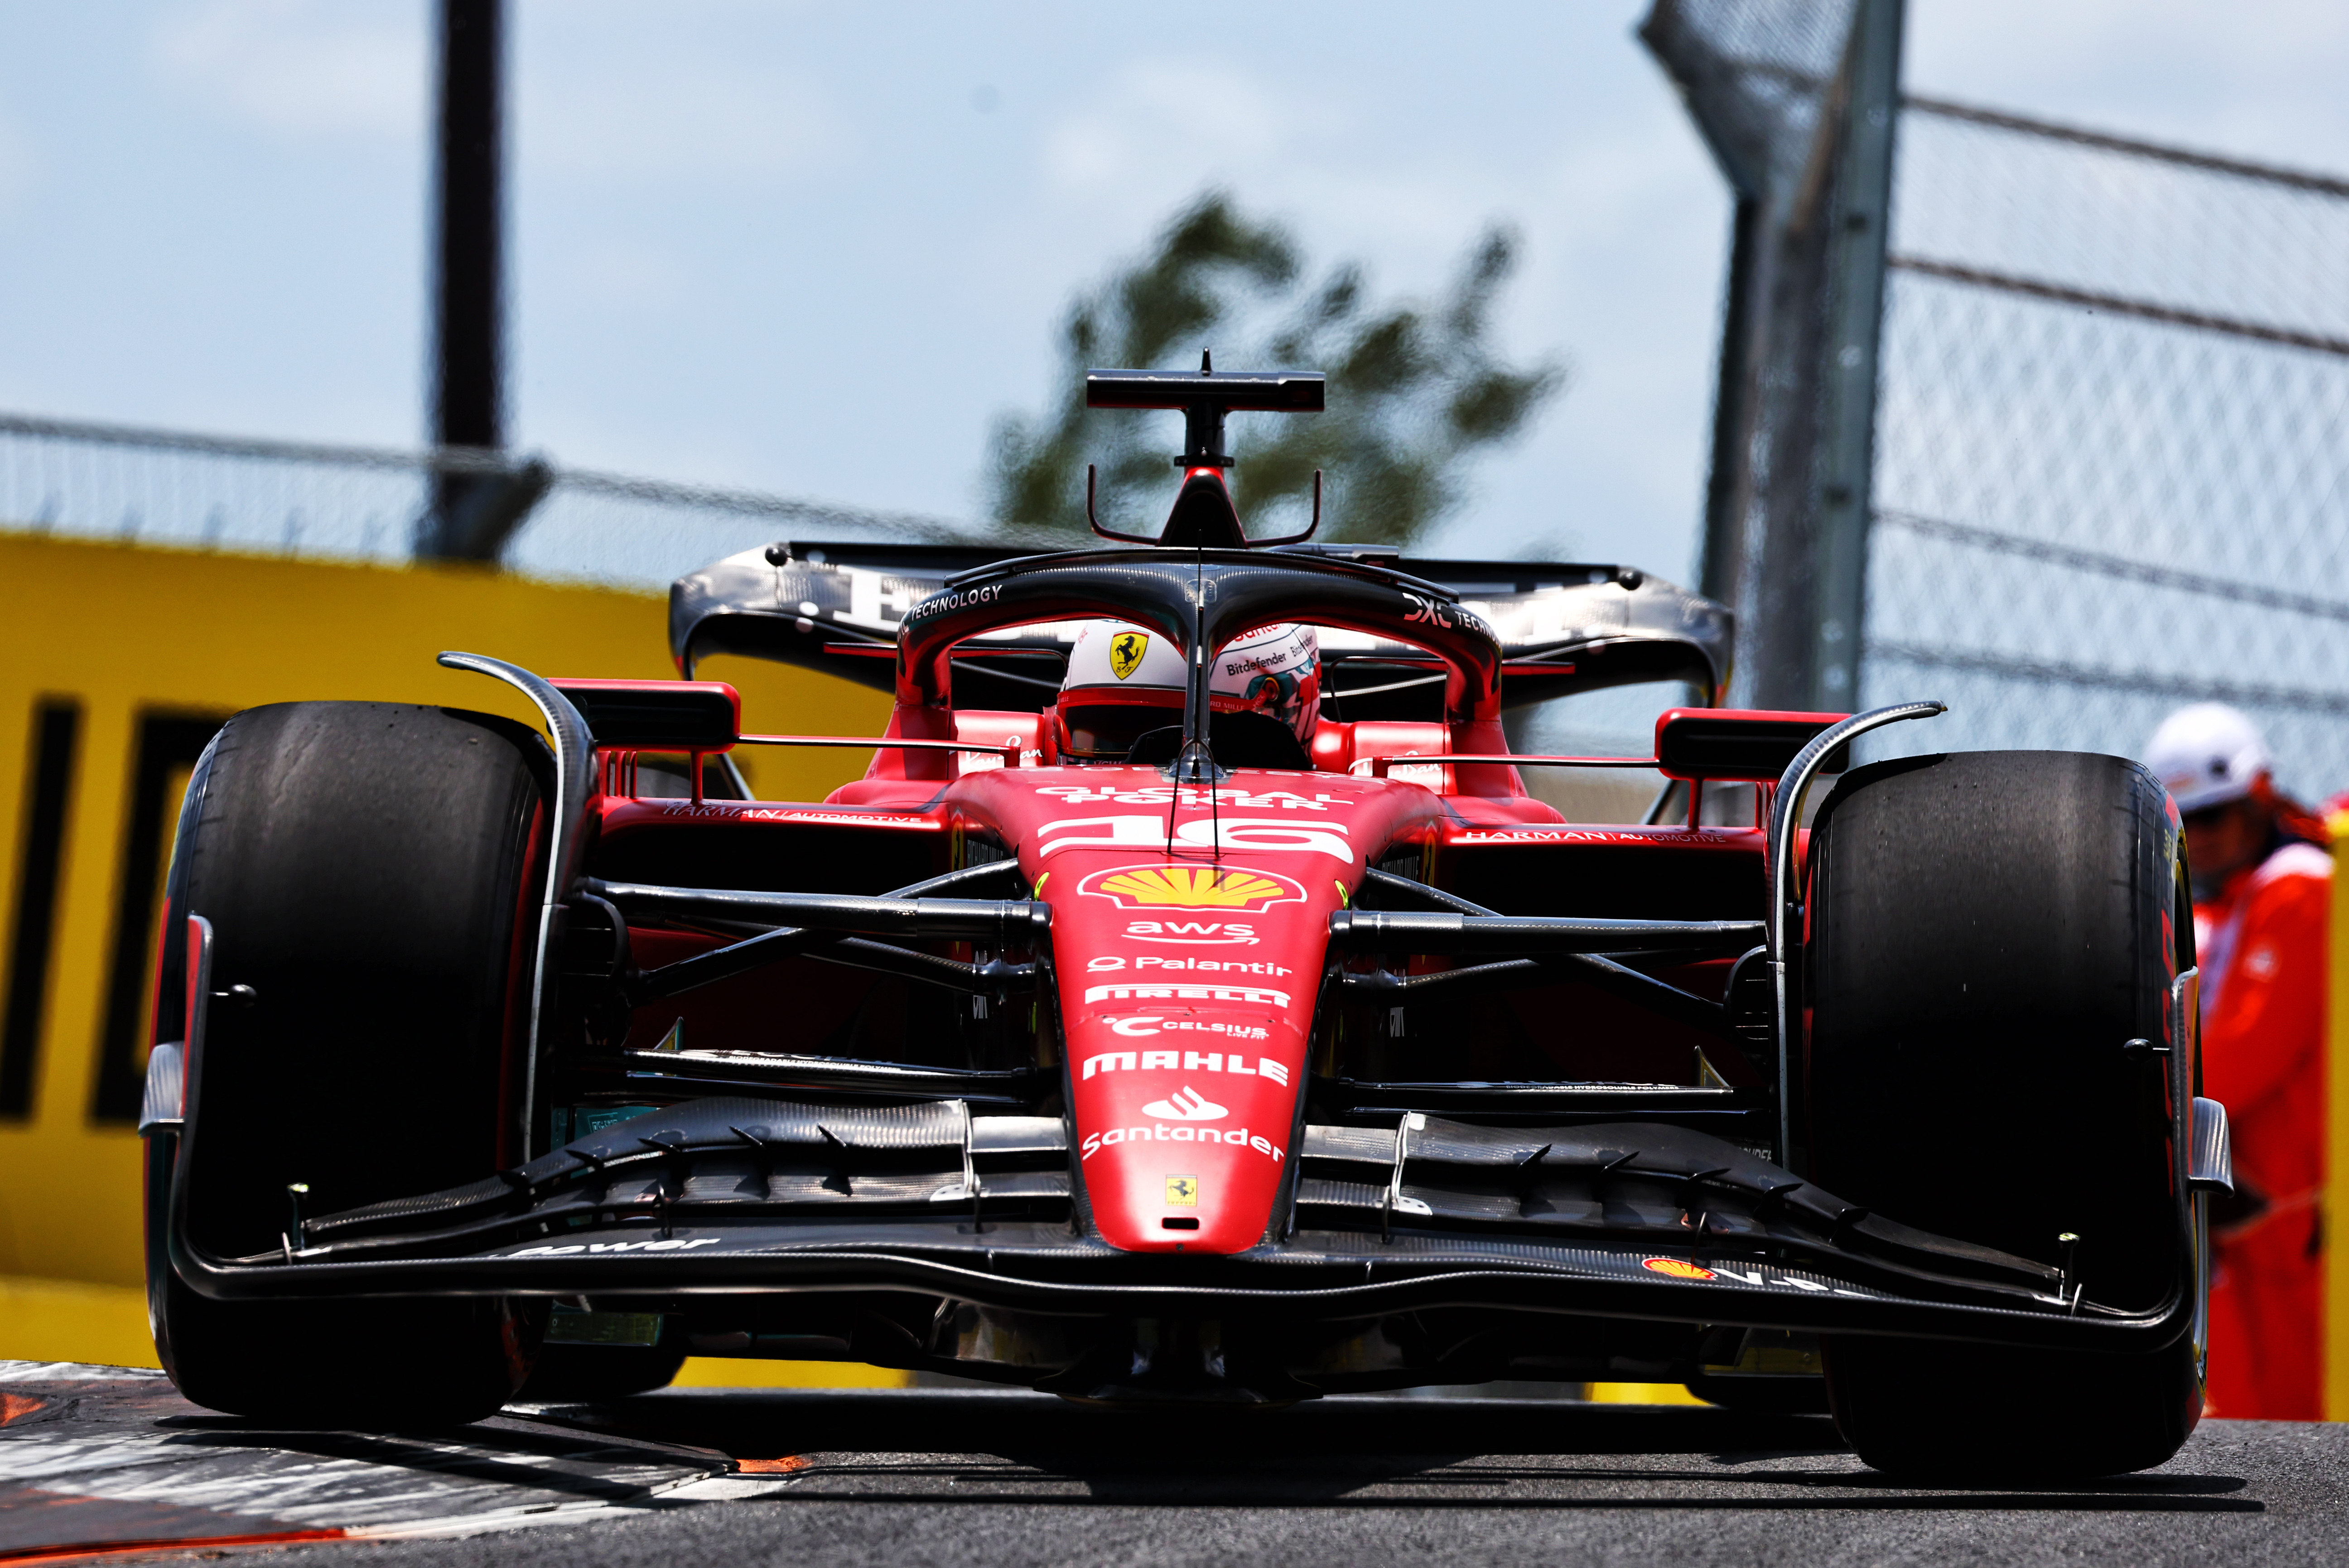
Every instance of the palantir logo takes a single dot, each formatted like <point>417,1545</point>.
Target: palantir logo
<point>1186,1105</point>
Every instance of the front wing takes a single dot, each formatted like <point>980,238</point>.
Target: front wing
<point>1625,1220</point>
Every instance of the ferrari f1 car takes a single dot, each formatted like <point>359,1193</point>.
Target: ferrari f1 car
<point>1190,1005</point>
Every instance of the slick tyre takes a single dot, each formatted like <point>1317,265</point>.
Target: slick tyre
<point>1987,930</point>
<point>366,871</point>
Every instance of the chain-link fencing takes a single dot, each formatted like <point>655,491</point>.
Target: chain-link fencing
<point>2104,471</point>
<point>2110,443</point>
<point>367,503</point>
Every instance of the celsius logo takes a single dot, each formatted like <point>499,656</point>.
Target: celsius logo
<point>1224,890</point>
<point>1186,1105</point>
<point>1142,1025</point>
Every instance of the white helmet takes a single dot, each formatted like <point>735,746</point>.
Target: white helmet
<point>2206,755</point>
<point>1125,679</point>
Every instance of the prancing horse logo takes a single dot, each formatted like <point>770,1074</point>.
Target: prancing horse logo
<point>1125,651</point>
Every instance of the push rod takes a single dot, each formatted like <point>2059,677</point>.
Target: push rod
<point>998,921</point>
<point>1448,933</point>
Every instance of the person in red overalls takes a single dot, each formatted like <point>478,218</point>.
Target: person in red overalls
<point>2262,894</point>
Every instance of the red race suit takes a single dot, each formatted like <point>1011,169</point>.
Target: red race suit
<point>2262,947</point>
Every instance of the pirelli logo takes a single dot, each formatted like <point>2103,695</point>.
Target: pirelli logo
<point>1132,990</point>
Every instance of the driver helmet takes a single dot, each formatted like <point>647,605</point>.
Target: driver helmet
<point>1125,680</point>
<point>2207,754</point>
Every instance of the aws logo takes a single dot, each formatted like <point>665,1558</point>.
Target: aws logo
<point>1194,933</point>
<point>1201,887</point>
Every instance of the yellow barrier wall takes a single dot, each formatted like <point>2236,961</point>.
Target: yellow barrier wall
<point>130,638</point>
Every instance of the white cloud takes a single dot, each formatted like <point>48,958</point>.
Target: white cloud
<point>300,65</point>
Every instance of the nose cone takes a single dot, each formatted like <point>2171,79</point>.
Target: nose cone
<point>1184,1147</point>
<point>1187,996</point>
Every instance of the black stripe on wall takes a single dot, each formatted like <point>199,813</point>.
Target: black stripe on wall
<point>165,742</point>
<point>48,795</point>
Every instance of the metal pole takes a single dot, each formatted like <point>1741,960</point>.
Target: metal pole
<point>1729,490</point>
<point>1847,372</point>
<point>468,389</point>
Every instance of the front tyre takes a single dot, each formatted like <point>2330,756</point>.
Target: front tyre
<point>1987,930</point>
<point>365,868</point>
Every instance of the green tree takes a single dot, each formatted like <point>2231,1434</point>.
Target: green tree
<point>1416,390</point>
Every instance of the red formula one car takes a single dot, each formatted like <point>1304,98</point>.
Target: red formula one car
<point>1191,1003</point>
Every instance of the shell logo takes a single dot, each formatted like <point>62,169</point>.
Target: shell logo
<point>1676,1268</point>
<point>1191,888</point>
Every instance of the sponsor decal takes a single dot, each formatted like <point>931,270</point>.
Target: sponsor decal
<point>1108,962</point>
<point>1186,1105</point>
<point>958,599</point>
<point>1194,933</point>
<point>1203,888</point>
<point>706,810</point>
<point>1125,651</point>
<point>1183,1190</point>
<point>1262,835</point>
<point>1572,835</point>
<point>1266,1067</point>
<point>589,1248</point>
<point>1147,991</point>
<point>1142,1025</point>
<point>1164,794</point>
<point>1159,1132</point>
<point>1427,611</point>
<point>1676,1268</point>
<point>1785,1281</point>
<point>1433,612</point>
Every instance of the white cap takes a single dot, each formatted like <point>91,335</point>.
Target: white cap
<point>1118,653</point>
<point>1274,669</point>
<point>2206,755</point>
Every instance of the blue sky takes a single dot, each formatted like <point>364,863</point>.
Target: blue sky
<point>818,249</point>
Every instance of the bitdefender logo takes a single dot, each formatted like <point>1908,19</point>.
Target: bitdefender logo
<point>1186,1105</point>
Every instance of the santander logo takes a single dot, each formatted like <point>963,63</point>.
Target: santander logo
<point>1186,1105</point>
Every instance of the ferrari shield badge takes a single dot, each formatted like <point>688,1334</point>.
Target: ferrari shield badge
<point>1182,1189</point>
<point>1125,651</point>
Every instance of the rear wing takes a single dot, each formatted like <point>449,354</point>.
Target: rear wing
<point>1564,627</point>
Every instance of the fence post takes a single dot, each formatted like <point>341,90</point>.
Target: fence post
<point>1862,214</point>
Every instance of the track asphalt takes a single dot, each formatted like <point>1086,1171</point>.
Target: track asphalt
<point>1003,1479</point>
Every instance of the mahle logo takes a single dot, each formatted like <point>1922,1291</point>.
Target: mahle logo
<point>1125,651</point>
<point>1191,888</point>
